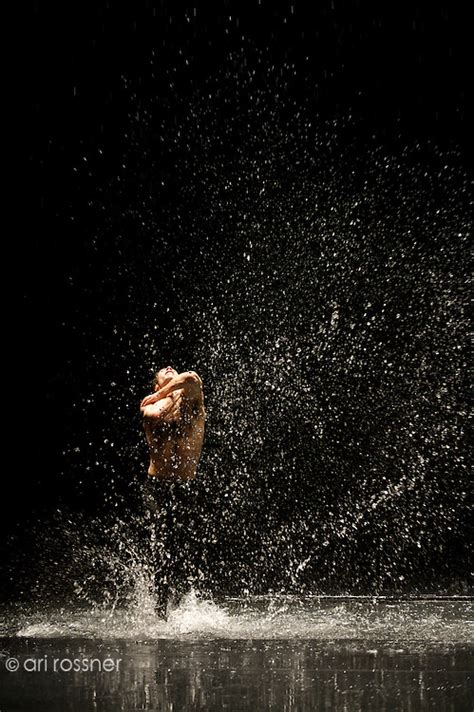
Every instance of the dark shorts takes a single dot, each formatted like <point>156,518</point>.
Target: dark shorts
<point>162,496</point>
<point>171,512</point>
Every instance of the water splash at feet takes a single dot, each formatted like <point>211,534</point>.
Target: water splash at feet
<point>266,617</point>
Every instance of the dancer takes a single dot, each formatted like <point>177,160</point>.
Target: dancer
<point>173,420</point>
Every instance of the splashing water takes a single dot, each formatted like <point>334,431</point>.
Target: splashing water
<point>319,288</point>
<point>321,295</point>
<point>432,621</point>
<point>116,599</point>
<point>316,275</point>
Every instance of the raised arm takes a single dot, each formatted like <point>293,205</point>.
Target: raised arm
<point>188,382</point>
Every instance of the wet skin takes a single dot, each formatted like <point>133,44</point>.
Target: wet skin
<point>173,420</point>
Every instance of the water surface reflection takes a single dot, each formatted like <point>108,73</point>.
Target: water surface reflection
<point>241,675</point>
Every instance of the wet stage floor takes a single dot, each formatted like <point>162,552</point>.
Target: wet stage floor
<point>243,654</point>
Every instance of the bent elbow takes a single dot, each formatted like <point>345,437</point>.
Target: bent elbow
<point>192,384</point>
<point>192,378</point>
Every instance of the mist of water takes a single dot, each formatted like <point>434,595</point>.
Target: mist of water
<point>318,284</point>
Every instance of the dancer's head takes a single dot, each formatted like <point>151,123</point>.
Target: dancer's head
<point>163,376</point>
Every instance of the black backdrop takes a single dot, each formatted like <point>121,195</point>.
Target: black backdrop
<point>117,174</point>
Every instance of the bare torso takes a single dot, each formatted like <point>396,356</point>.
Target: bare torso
<point>173,420</point>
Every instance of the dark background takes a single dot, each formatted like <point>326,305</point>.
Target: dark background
<point>133,120</point>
